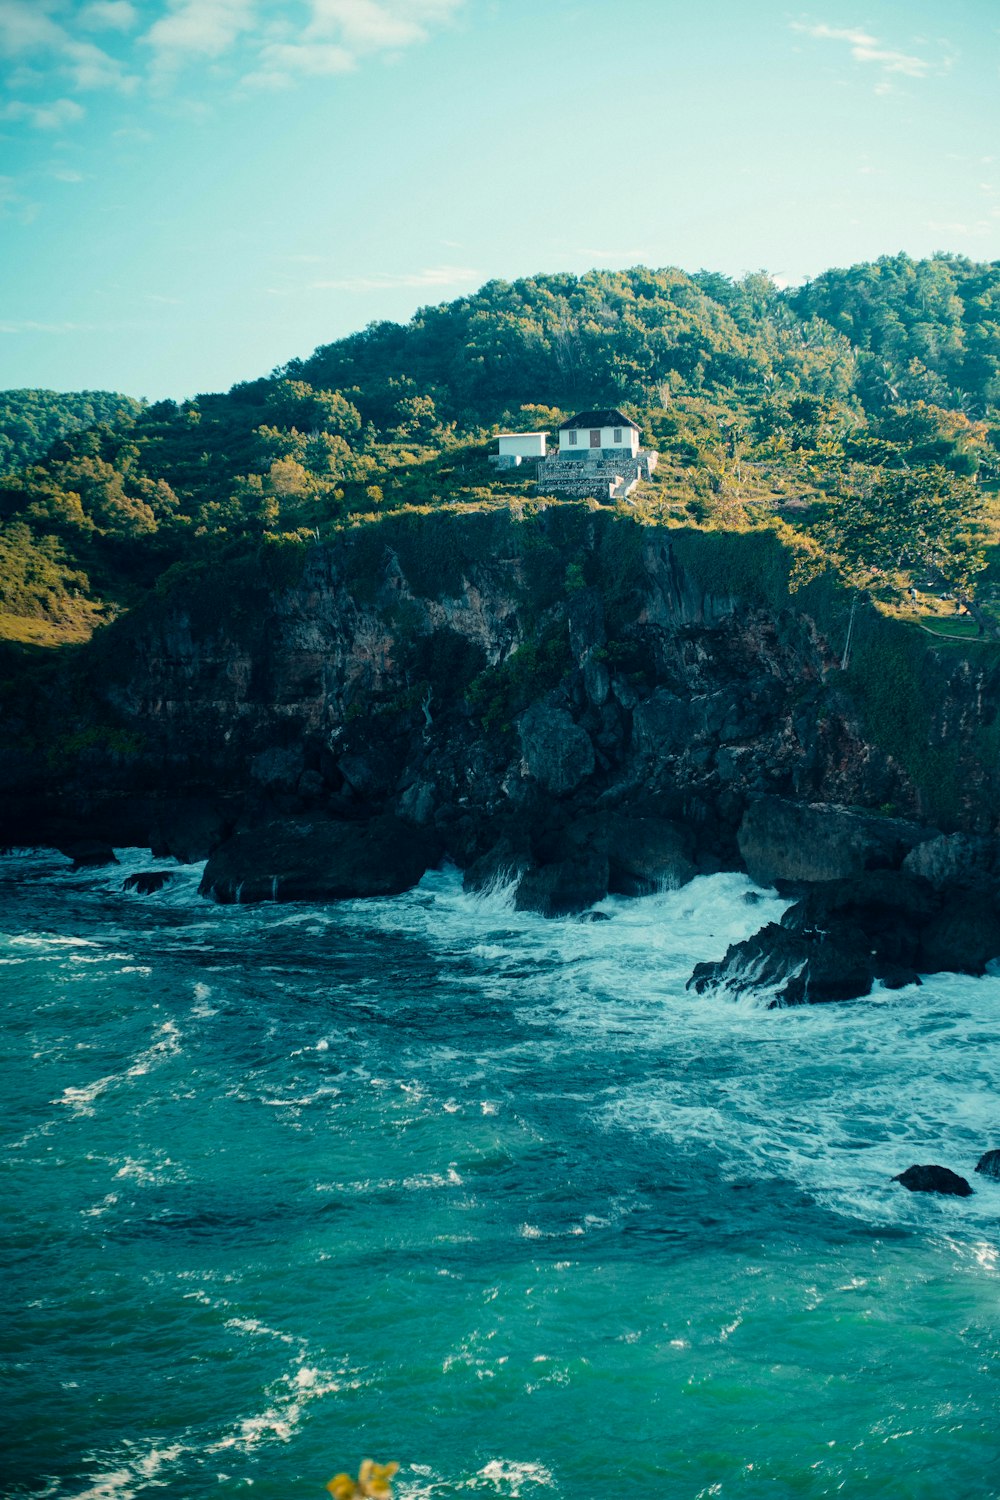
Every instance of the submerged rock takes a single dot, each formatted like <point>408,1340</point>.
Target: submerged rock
<point>934,1179</point>
<point>147,882</point>
<point>989,1164</point>
<point>292,860</point>
<point>88,854</point>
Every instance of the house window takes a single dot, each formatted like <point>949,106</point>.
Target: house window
<point>618,434</point>
<point>572,437</point>
<point>595,437</point>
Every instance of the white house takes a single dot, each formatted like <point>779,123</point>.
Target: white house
<point>598,434</point>
<point>514,447</point>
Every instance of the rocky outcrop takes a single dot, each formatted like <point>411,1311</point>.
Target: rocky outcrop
<point>557,751</point>
<point>570,700</point>
<point>785,842</point>
<point>843,935</point>
<point>989,1164</point>
<point>934,1179</point>
<point>294,860</point>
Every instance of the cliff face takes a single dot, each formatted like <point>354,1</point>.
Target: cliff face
<point>486,678</point>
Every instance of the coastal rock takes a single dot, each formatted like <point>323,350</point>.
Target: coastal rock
<point>644,853</point>
<point>147,882</point>
<point>556,751</point>
<point>989,1164</point>
<point>963,936</point>
<point>781,840</point>
<point>88,854</point>
<point>952,859</point>
<point>500,866</point>
<point>188,829</point>
<point>565,888</point>
<point>792,968</point>
<point>934,1179</point>
<point>294,860</point>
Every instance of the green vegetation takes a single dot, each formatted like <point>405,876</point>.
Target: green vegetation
<point>857,419</point>
<point>31,421</point>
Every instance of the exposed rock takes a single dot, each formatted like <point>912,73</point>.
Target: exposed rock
<point>278,768</point>
<point>644,854</point>
<point>557,752</point>
<point>294,860</point>
<point>963,937</point>
<point>497,868</point>
<point>416,803</point>
<point>792,968</point>
<point>934,1179</point>
<point>952,859</point>
<point>989,1164</point>
<point>585,618</point>
<point>563,889</point>
<point>188,829</point>
<point>791,841</point>
<point>596,681</point>
<point>147,882</point>
<point>88,853</point>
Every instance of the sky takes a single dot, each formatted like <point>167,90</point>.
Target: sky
<point>193,192</point>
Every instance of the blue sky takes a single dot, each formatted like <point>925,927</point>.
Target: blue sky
<point>193,191</point>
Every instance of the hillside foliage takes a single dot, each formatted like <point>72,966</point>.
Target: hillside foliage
<point>858,416</point>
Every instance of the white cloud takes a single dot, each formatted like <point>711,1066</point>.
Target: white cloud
<point>340,32</point>
<point>54,116</point>
<point>25,27</point>
<point>109,15</point>
<point>66,174</point>
<point>282,62</point>
<point>866,48</point>
<point>433,276</point>
<point>198,28</point>
<point>28,29</point>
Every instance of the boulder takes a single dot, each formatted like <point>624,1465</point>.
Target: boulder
<point>188,829</point>
<point>963,936</point>
<point>88,854</point>
<point>146,882</point>
<point>952,859</point>
<point>296,860</point>
<point>989,1164</point>
<point>556,751</point>
<point>498,867</point>
<point>565,888</point>
<point>781,840</point>
<point>793,968</point>
<point>644,854</point>
<point>934,1179</point>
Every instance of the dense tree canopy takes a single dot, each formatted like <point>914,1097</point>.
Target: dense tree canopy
<point>31,421</point>
<point>860,407</point>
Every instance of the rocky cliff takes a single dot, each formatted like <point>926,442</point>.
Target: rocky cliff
<point>565,694</point>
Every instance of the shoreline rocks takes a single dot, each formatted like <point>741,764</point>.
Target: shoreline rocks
<point>297,860</point>
<point>934,1179</point>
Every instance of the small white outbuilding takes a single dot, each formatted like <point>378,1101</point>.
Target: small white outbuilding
<point>514,447</point>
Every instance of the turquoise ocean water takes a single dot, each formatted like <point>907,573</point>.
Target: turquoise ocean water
<point>430,1180</point>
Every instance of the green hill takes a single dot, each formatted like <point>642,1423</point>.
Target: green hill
<point>859,416</point>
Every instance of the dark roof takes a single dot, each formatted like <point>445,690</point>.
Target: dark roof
<point>608,418</point>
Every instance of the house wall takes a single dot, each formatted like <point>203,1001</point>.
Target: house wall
<point>629,442</point>
<point>523,444</point>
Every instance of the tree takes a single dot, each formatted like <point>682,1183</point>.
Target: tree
<point>890,530</point>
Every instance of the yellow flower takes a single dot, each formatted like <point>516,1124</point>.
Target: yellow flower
<point>375,1480</point>
<point>342,1487</point>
